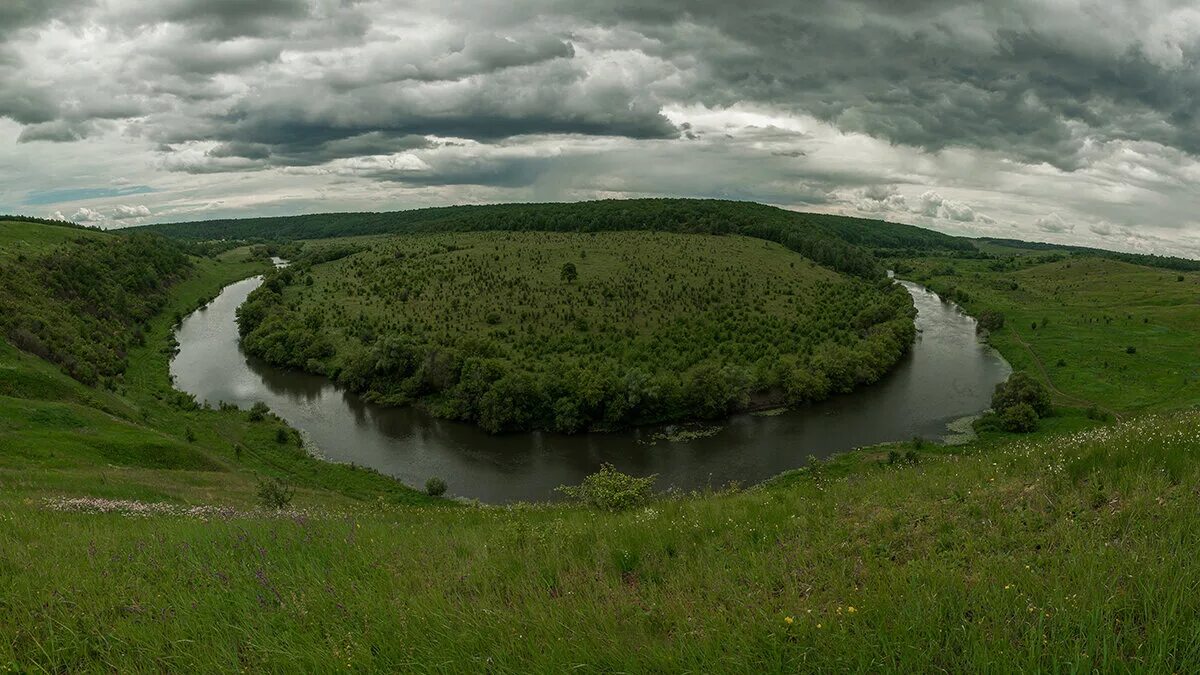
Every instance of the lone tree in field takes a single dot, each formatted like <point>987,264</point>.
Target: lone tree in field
<point>569,273</point>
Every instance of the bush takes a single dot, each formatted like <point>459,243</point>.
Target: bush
<point>259,411</point>
<point>435,487</point>
<point>611,490</point>
<point>1021,388</point>
<point>281,435</point>
<point>1131,350</point>
<point>274,493</point>
<point>991,320</point>
<point>1020,418</point>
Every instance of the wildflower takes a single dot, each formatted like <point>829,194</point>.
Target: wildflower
<point>818,625</point>
<point>788,620</point>
<point>851,610</point>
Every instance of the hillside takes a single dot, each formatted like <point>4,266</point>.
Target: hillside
<point>834,241</point>
<point>99,309</point>
<point>488,327</point>
<point>131,535</point>
<point>1099,331</point>
<point>1066,552</point>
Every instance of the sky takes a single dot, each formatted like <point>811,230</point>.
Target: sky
<point>1071,121</point>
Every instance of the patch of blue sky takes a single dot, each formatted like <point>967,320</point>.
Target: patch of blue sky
<point>44,197</point>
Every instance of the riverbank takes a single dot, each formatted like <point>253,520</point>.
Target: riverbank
<point>947,375</point>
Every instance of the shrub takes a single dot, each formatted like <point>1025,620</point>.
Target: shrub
<point>435,487</point>
<point>259,411</point>
<point>1131,350</point>
<point>991,320</point>
<point>611,490</point>
<point>1019,418</point>
<point>281,435</point>
<point>275,493</point>
<point>1021,388</point>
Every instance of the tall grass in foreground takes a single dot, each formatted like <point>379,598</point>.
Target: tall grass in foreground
<point>1066,553</point>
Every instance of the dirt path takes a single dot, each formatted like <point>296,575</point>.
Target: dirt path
<point>1082,402</point>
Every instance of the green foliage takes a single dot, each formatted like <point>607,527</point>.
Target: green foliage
<point>435,487</point>
<point>991,320</point>
<point>258,411</point>
<point>1021,389</point>
<point>840,243</point>
<point>1019,418</point>
<point>569,273</point>
<point>275,493</point>
<point>611,490</point>
<point>81,303</point>
<point>480,326</point>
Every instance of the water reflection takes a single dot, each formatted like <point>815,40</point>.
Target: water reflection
<point>949,374</point>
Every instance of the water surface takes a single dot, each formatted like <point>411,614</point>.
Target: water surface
<point>948,375</point>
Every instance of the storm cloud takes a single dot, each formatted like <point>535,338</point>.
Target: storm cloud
<point>1072,122</point>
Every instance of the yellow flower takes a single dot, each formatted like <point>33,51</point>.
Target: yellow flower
<point>818,625</point>
<point>788,620</point>
<point>851,610</point>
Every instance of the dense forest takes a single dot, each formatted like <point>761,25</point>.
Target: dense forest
<point>84,302</point>
<point>837,242</point>
<point>570,331</point>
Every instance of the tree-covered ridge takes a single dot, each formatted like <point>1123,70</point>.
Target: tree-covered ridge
<point>1145,259</point>
<point>81,304</point>
<point>833,241</point>
<point>492,328</point>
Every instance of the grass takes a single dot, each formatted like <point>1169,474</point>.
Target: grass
<point>18,238</point>
<point>1071,323</point>
<point>59,436</point>
<point>1070,549</point>
<point>1059,552</point>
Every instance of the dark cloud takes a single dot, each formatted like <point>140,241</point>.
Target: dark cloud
<point>939,111</point>
<point>306,147</point>
<point>18,14</point>
<point>58,131</point>
<point>937,73</point>
<point>227,19</point>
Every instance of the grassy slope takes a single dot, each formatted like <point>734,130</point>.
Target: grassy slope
<point>21,238</point>
<point>1093,310</point>
<point>1057,553</point>
<point>57,436</point>
<point>1067,550</point>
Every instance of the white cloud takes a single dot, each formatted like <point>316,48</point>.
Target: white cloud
<point>1054,224</point>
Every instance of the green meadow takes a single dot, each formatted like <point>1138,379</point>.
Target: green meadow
<point>134,538</point>
<point>1121,336</point>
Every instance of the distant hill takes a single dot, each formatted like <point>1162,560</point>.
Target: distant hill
<point>841,243</point>
<point>1146,259</point>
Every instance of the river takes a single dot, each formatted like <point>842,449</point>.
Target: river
<point>948,375</point>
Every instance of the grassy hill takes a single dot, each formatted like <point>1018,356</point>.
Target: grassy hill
<point>1097,330</point>
<point>487,327</point>
<point>131,434</point>
<point>131,539</point>
<point>1060,552</point>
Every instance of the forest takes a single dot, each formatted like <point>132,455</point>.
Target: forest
<point>572,331</point>
<point>840,243</point>
<point>84,302</point>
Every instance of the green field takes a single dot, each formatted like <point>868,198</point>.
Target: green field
<point>131,537</point>
<point>1073,322</point>
<point>485,327</point>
